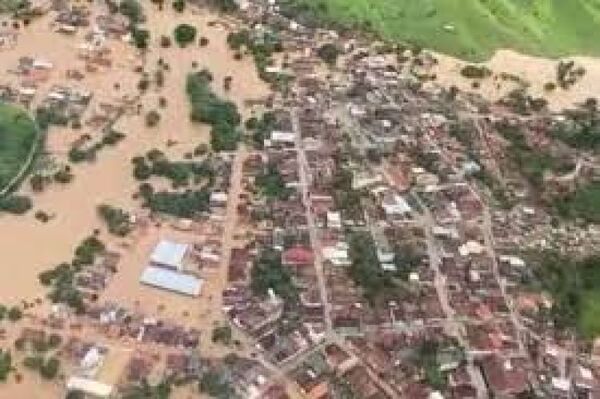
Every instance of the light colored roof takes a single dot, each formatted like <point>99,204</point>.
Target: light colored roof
<point>287,137</point>
<point>169,253</point>
<point>90,387</point>
<point>172,281</point>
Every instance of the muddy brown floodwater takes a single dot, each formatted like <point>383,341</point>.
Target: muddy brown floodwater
<point>28,246</point>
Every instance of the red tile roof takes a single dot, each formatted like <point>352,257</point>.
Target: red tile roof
<point>298,256</point>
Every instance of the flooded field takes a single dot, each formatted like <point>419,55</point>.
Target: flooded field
<point>109,178</point>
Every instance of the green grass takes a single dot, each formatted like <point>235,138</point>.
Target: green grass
<point>589,317</point>
<point>542,27</point>
<point>18,132</point>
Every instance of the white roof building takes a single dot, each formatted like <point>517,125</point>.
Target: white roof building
<point>395,205</point>
<point>89,387</point>
<point>169,254</point>
<point>334,220</point>
<point>172,281</point>
<point>337,255</point>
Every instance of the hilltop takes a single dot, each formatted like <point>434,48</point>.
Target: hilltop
<point>469,29</point>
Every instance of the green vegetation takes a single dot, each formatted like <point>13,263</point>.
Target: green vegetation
<point>329,53</point>
<point>574,286</point>
<point>185,204</point>
<point>222,334</point>
<point>271,184</point>
<point>261,128</point>
<point>470,29</point>
<point>179,5</point>
<point>15,314</point>
<point>78,153</point>
<point>184,34</point>
<point>225,6</point>
<point>216,384</point>
<point>208,108</point>
<point>180,173</point>
<point>262,46</point>
<point>48,368</point>
<point>426,357</point>
<point>144,390</point>
<point>531,162</point>
<point>475,72</point>
<point>18,133</point>
<point>116,219</point>
<point>61,278</point>
<point>346,198</point>
<point>583,203</point>
<point>581,130</point>
<point>5,364</point>
<point>366,271</point>
<point>132,9</point>
<point>16,204</point>
<point>140,37</point>
<point>268,273</point>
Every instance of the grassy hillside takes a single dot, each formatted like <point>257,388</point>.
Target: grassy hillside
<point>470,29</point>
<point>17,135</point>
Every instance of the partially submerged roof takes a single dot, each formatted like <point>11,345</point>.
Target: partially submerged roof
<point>90,387</point>
<point>172,281</point>
<point>169,253</point>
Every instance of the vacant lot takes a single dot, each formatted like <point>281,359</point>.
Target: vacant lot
<point>470,29</point>
<point>17,135</point>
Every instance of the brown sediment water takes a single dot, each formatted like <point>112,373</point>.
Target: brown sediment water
<point>29,246</point>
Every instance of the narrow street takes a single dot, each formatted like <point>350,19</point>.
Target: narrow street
<point>312,228</point>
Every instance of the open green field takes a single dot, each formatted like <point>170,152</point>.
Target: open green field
<point>469,29</point>
<point>17,134</point>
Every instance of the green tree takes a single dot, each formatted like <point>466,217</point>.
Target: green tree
<point>132,9</point>
<point>15,314</point>
<point>184,34</point>
<point>329,53</point>
<point>50,368</point>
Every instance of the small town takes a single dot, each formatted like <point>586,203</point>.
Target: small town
<point>221,199</point>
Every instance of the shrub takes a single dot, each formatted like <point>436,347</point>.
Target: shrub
<point>15,314</point>
<point>179,5</point>
<point>165,41</point>
<point>50,368</point>
<point>329,53</point>
<point>475,72</point>
<point>152,118</point>
<point>184,34</point>
<point>140,38</point>
<point>16,204</point>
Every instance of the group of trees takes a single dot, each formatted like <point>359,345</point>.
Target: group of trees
<point>117,220</point>
<point>271,184</point>
<point>208,108</point>
<point>573,285</point>
<point>16,204</point>
<point>180,173</point>
<point>186,204</point>
<point>262,48</point>
<point>530,162</point>
<point>78,153</point>
<point>268,273</point>
<point>13,313</point>
<point>48,368</point>
<point>261,129</point>
<point>5,364</point>
<point>61,279</point>
<point>216,384</point>
<point>366,272</point>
